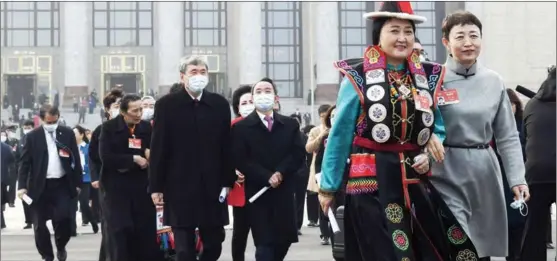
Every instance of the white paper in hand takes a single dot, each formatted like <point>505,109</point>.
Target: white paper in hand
<point>27,199</point>
<point>258,194</point>
<point>223,194</point>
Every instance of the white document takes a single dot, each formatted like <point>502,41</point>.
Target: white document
<point>223,194</point>
<point>27,199</point>
<point>258,194</point>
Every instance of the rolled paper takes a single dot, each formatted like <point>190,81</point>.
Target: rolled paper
<point>333,221</point>
<point>223,194</point>
<point>258,194</point>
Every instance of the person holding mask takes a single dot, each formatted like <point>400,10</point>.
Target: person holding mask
<point>83,143</point>
<point>476,109</point>
<point>111,104</point>
<point>539,129</point>
<point>268,150</point>
<point>242,105</point>
<point>191,168</point>
<point>50,174</point>
<point>384,118</point>
<point>148,104</point>
<point>124,149</point>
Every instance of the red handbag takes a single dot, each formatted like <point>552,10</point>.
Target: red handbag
<point>237,196</point>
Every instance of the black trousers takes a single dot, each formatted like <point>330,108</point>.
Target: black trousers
<point>549,239</point>
<point>535,231</point>
<point>515,241</point>
<point>27,213</point>
<point>240,233</point>
<point>95,203</point>
<point>73,215</point>
<point>324,227</point>
<point>312,207</point>
<point>184,239</point>
<point>12,190</point>
<point>131,228</point>
<point>86,213</point>
<point>300,193</point>
<point>54,203</point>
<point>271,253</point>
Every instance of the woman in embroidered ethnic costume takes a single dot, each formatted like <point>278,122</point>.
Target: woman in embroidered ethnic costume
<point>384,118</point>
<point>477,109</point>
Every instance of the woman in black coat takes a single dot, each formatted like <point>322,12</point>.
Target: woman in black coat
<point>515,218</point>
<point>540,132</point>
<point>129,213</point>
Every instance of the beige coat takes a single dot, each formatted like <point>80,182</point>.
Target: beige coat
<point>312,183</point>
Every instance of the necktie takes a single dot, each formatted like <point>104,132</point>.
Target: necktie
<point>269,121</point>
<point>195,102</point>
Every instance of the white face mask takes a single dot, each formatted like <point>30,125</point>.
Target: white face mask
<point>3,138</point>
<point>50,127</point>
<point>114,113</point>
<point>246,109</point>
<point>264,101</point>
<point>25,131</point>
<point>197,83</point>
<point>147,114</point>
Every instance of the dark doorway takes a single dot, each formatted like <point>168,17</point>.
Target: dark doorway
<point>129,82</point>
<point>20,90</point>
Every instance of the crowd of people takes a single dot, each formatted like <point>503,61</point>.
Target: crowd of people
<point>425,161</point>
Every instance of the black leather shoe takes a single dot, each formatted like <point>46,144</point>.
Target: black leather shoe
<point>28,226</point>
<point>62,255</point>
<point>95,227</point>
<point>550,246</point>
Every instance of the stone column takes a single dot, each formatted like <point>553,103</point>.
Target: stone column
<point>169,33</point>
<point>76,24</point>
<point>326,49</point>
<point>249,42</point>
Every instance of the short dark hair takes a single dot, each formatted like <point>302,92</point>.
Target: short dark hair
<point>243,89</point>
<point>417,40</point>
<point>112,97</point>
<point>50,109</point>
<point>126,100</point>
<point>28,123</point>
<point>323,108</point>
<point>266,79</point>
<point>176,88</point>
<point>459,18</point>
<point>82,131</point>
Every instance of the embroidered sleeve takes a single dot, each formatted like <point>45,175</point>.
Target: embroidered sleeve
<point>339,143</point>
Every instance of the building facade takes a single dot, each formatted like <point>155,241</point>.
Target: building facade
<point>75,47</point>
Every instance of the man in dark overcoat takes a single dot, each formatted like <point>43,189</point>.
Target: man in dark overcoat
<point>190,162</point>
<point>268,150</point>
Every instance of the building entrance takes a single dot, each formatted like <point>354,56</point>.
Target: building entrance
<point>20,89</point>
<point>129,82</point>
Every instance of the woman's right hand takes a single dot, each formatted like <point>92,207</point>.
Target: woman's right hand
<point>435,148</point>
<point>325,201</point>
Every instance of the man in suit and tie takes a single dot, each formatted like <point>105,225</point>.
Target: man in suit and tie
<point>7,158</point>
<point>268,149</point>
<point>50,175</point>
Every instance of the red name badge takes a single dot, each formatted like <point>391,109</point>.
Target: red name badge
<point>63,153</point>
<point>447,97</point>
<point>422,103</point>
<point>134,143</point>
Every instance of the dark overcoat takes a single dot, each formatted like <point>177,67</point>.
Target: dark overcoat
<point>258,153</point>
<point>33,162</point>
<point>190,158</point>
